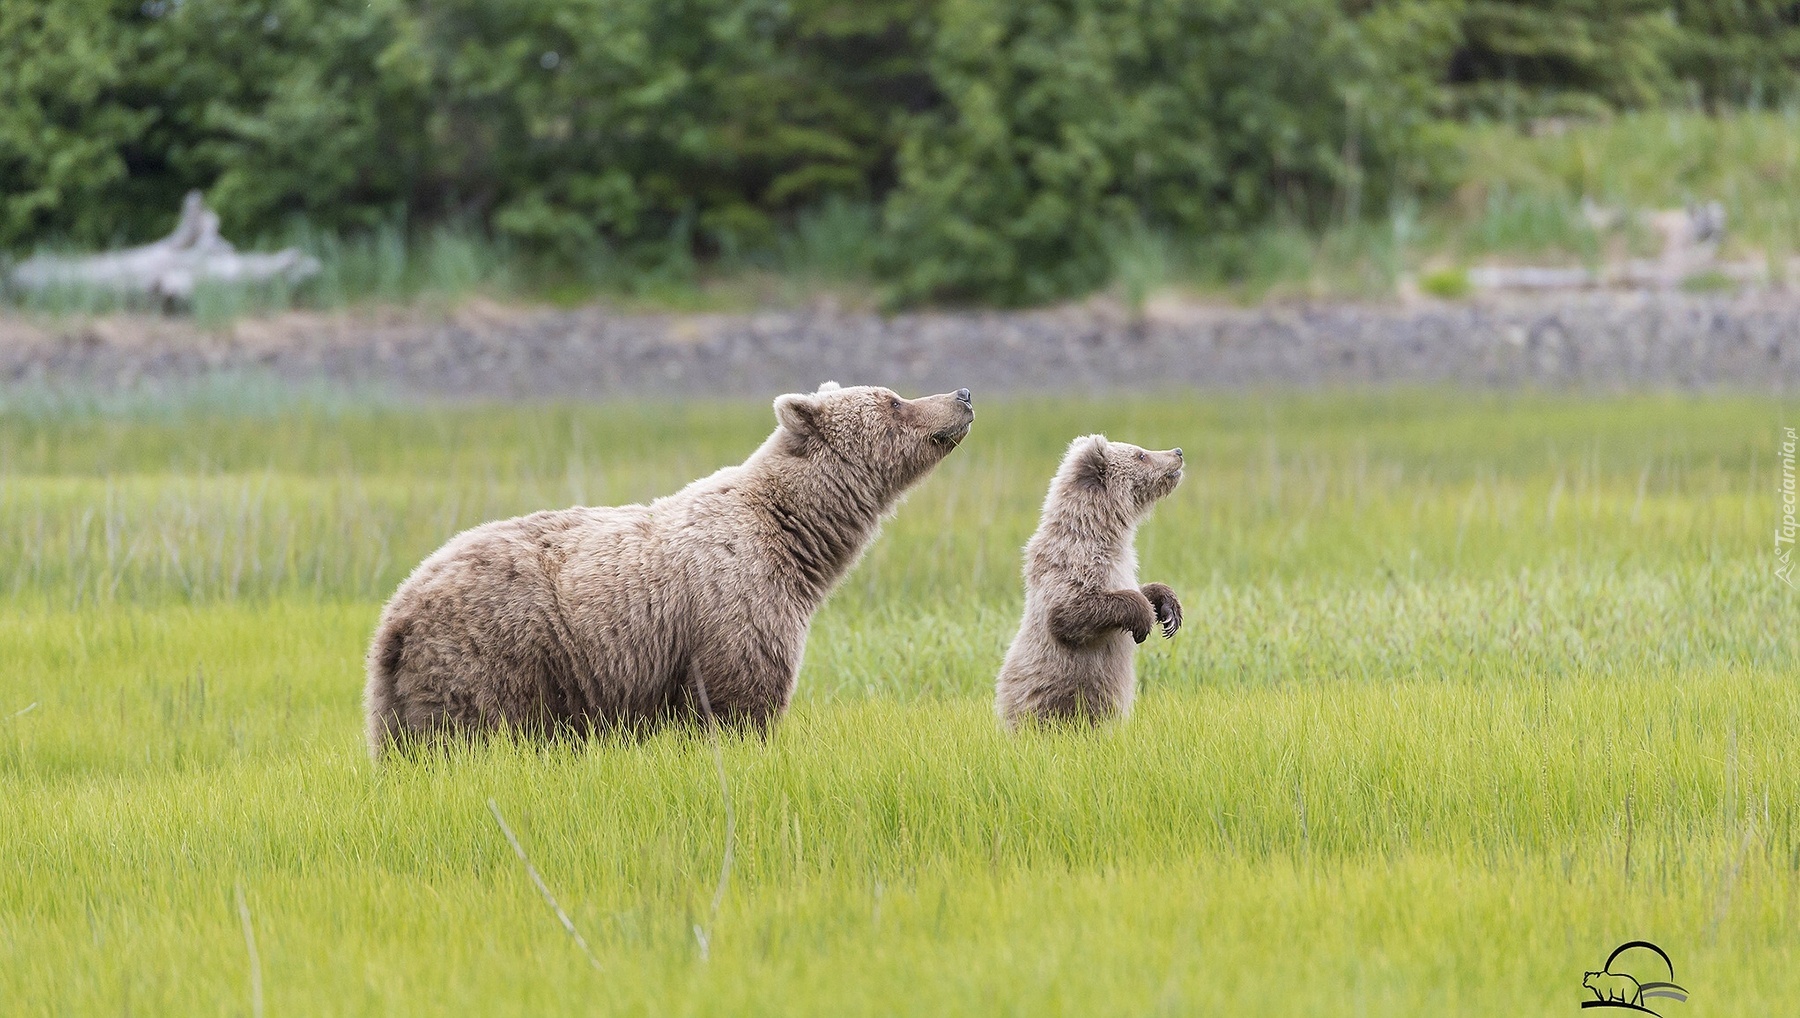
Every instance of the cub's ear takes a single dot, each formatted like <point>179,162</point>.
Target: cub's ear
<point>797,412</point>
<point>1087,460</point>
<point>829,387</point>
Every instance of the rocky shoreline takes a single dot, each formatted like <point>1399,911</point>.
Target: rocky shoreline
<point>481,352</point>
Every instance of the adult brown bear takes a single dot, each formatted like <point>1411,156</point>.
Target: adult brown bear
<point>590,618</point>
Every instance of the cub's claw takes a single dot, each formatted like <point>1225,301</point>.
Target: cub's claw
<point>1168,607</point>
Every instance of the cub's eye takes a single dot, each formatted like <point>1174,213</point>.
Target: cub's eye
<point>894,404</point>
<point>1142,456</point>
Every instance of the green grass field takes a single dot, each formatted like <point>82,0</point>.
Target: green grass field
<point>1472,689</point>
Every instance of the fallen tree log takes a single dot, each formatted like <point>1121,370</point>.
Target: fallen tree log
<point>1690,254</point>
<point>1530,277</point>
<point>169,269</point>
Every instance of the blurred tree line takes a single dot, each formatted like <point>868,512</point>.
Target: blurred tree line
<point>1001,140</point>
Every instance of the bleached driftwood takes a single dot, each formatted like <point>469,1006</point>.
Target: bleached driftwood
<point>1529,277</point>
<point>1690,249</point>
<point>170,268</point>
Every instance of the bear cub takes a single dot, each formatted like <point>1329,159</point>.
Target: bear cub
<point>1084,610</point>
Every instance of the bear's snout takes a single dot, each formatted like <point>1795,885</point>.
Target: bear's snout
<point>950,414</point>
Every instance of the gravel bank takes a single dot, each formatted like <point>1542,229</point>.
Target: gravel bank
<point>1599,341</point>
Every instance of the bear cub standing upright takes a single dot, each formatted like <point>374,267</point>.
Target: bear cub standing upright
<point>1084,609</point>
<point>625,616</point>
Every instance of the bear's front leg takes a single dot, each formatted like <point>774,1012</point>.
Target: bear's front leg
<point>1082,620</point>
<point>1168,609</point>
<point>746,695</point>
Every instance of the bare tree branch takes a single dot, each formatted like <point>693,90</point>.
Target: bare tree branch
<point>171,268</point>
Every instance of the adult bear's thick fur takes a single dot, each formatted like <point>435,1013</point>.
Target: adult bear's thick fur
<point>1083,606</point>
<point>591,618</point>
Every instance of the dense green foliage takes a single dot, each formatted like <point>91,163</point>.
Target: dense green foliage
<point>565,125</point>
<point>1737,51</point>
<point>1064,121</point>
<point>1472,688</point>
<point>1002,142</point>
<point>1521,58</point>
<point>1562,55</point>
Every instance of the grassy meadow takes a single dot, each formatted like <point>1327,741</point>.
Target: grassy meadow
<point>1472,689</point>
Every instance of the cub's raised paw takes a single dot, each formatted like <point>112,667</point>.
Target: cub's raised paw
<point>1168,607</point>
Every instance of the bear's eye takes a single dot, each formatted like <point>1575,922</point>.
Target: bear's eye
<point>894,403</point>
<point>1142,456</point>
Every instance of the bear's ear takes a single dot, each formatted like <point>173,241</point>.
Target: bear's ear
<point>798,412</point>
<point>829,387</point>
<point>1087,460</point>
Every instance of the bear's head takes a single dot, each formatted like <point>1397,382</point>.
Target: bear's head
<point>890,442</point>
<point>1120,478</point>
